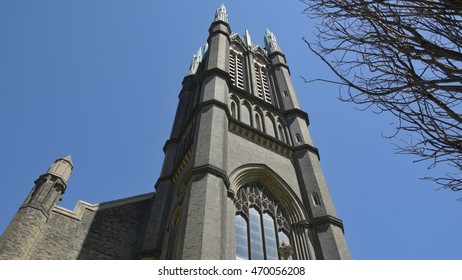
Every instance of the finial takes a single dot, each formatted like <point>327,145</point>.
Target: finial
<point>221,14</point>
<point>247,39</point>
<point>196,60</point>
<point>271,44</point>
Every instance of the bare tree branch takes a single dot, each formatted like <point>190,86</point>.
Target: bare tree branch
<point>403,58</point>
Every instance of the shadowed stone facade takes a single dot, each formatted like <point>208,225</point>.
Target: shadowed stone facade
<point>241,178</point>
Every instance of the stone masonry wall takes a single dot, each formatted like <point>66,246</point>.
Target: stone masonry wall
<point>108,233</point>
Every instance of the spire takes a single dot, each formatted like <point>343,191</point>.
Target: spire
<point>197,58</point>
<point>221,14</point>
<point>271,44</point>
<point>247,39</point>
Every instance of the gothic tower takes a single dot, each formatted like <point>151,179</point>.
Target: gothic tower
<point>241,178</point>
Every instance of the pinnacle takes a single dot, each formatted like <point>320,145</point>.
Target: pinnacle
<point>199,52</point>
<point>247,38</point>
<point>66,158</point>
<point>221,14</point>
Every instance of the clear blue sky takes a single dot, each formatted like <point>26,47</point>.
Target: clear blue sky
<point>99,80</point>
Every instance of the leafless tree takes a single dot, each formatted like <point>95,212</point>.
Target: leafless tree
<point>401,57</point>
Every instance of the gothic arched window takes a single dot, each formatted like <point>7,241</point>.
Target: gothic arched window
<point>261,226</point>
<point>246,113</point>
<point>269,125</point>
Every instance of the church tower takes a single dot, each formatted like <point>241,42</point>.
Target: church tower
<point>241,178</point>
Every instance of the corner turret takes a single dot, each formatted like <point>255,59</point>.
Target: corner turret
<point>61,168</point>
<point>18,239</point>
<point>218,42</point>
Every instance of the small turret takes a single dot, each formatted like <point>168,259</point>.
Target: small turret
<point>218,42</point>
<point>61,168</point>
<point>26,226</point>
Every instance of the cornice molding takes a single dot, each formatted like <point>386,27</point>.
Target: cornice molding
<point>327,219</point>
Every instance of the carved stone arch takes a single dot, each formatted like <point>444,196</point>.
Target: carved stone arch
<point>238,45</point>
<point>288,135</point>
<point>235,48</point>
<point>270,124</point>
<point>173,230</point>
<point>260,58</point>
<point>259,111</point>
<point>281,130</point>
<point>261,173</point>
<point>175,214</point>
<point>271,194</point>
<point>237,102</point>
<point>246,113</point>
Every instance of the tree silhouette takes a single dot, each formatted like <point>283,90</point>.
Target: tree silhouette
<point>404,58</point>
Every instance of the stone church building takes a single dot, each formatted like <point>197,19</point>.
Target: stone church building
<point>241,178</point>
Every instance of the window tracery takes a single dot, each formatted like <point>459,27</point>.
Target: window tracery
<point>261,225</point>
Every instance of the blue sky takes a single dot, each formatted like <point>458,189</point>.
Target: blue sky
<point>99,80</point>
